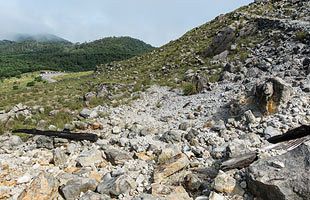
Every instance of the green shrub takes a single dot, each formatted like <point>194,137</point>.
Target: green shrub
<point>15,87</point>
<point>189,89</point>
<point>38,79</point>
<point>30,84</point>
<point>302,36</point>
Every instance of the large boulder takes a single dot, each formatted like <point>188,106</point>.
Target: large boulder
<point>282,177</point>
<point>272,93</point>
<point>221,42</point>
<point>43,187</point>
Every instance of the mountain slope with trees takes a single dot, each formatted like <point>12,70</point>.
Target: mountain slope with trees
<point>40,53</point>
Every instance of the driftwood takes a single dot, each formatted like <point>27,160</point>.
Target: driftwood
<point>287,141</point>
<point>60,134</point>
<point>240,162</point>
<point>295,133</point>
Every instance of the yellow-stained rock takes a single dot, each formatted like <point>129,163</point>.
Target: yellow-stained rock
<point>43,187</point>
<point>172,166</point>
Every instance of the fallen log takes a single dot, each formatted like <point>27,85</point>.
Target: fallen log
<point>287,141</point>
<point>292,134</point>
<point>60,134</point>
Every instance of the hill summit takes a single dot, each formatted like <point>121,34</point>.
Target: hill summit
<point>38,38</point>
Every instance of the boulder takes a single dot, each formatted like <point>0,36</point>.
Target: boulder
<point>116,156</point>
<point>73,188</point>
<point>43,187</point>
<point>170,167</point>
<point>272,93</point>
<point>221,42</point>
<point>224,183</point>
<point>89,158</point>
<point>87,113</point>
<point>121,184</point>
<point>44,142</point>
<point>282,177</point>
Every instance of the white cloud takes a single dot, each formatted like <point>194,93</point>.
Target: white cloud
<point>154,21</point>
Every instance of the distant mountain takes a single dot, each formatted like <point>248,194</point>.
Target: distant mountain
<point>38,38</point>
<point>48,52</point>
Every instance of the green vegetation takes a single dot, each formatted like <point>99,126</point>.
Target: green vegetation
<point>189,89</point>
<point>29,56</point>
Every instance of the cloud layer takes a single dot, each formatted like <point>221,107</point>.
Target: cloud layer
<point>154,21</point>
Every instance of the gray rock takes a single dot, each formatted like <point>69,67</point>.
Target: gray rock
<point>116,130</point>
<point>221,42</point>
<point>44,142</point>
<point>117,185</point>
<point>172,136</point>
<point>89,96</point>
<point>184,126</point>
<point>81,125</point>
<point>89,158</point>
<point>215,196</point>
<point>219,125</point>
<point>15,141</point>
<point>41,125</point>
<point>73,188</point>
<point>250,118</point>
<point>59,157</point>
<point>116,156</point>
<point>270,132</point>
<point>292,181</point>
<point>90,195</point>
<point>87,113</point>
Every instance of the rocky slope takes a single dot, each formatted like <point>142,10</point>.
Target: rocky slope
<point>165,145</point>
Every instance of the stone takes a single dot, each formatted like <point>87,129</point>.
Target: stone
<point>87,113</point>
<point>81,125</point>
<point>216,196</point>
<point>59,157</point>
<point>290,181</point>
<point>169,192</point>
<point>184,126</point>
<point>221,42</point>
<point>74,187</point>
<point>272,93</point>
<point>116,130</point>
<point>270,132</point>
<point>43,187</point>
<point>117,157</point>
<point>89,96</point>
<point>69,127</point>
<point>88,158</point>
<point>41,125</point>
<point>118,185</point>
<point>52,128</point>
<point>44,142</point>
<point>219,125</point>
<point>170,167</point>
<point>96,126</point>
<point>172,136</point>
<point>249,116</point>
<point>90,195</point>
<point>24,179</point>
<point>224,183</point>
<point>15,141</point>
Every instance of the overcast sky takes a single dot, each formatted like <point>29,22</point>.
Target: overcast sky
<point>154,21</point>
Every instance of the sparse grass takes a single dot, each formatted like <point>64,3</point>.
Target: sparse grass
<point>189,89</point>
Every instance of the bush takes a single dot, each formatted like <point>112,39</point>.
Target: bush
<point>30,84</point>
<point>15,87</point>
<point>302,36</point>
<point>38,79</point>
<point>189,89</point>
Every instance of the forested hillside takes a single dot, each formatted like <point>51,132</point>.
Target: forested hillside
<point>32,55</point>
